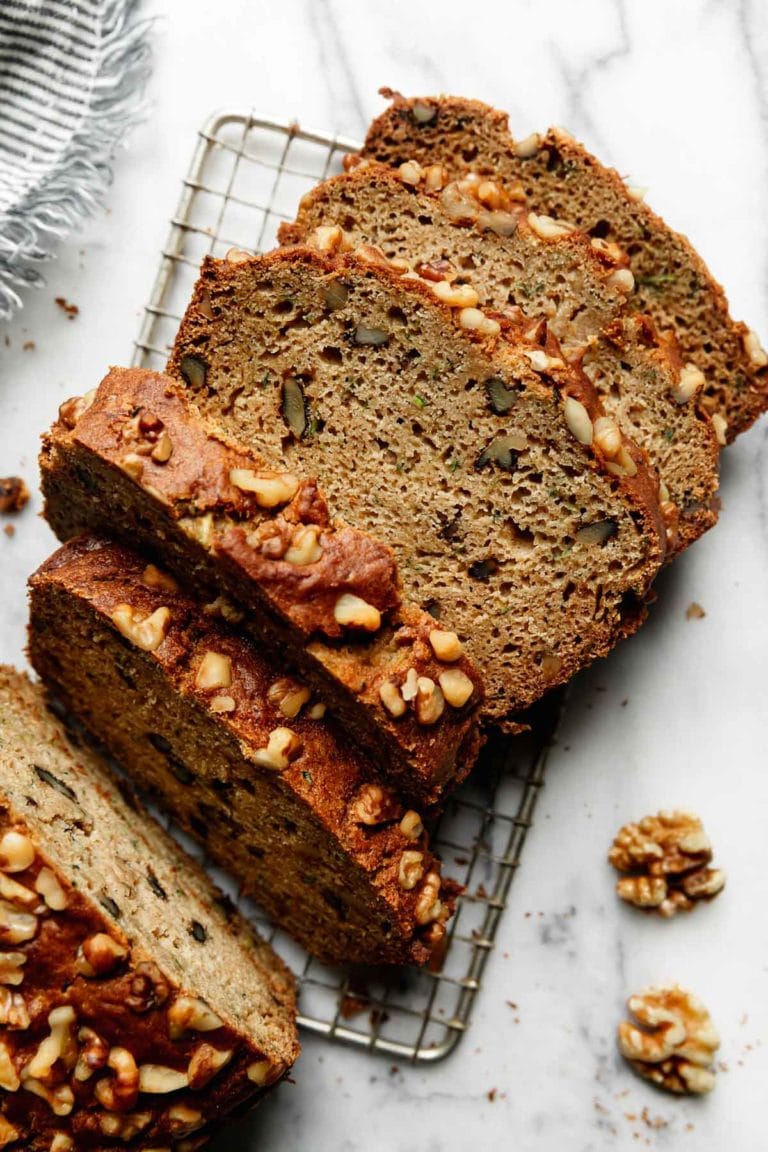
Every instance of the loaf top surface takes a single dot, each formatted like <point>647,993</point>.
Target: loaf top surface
<point>423,429</point>
<point>561,178</point>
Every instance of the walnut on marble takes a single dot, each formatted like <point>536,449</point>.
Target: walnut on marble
<point>666,860</point>
<point>671,1040</point>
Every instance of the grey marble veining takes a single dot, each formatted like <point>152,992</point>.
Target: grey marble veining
<point>674,94</point>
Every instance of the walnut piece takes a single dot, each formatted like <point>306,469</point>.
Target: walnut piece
<point>674,1041</point>
<point>666,857</point>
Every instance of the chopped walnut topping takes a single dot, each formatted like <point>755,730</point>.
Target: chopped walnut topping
<point>411,172</point>
<point>435,178</point>
<point>99,955</point>
<point>411,825</point>
<point>8,1133</point>
<point>148,988</point>
<point>372,805</point>
<point>392,699</point>
<point>12,968</point>
<point>61,1143</point>
<point>182,1119</point>
<point>456,296</point>
<point>119,1093</point>
<point>47,884</point>
<point>326,238</point>
<point>154,577</point>
<point>673,1043</point>
<point>215,671</point>
<point>94,1053</point>
<point>456,687</point>
<point>547,228</point>
<point>71,410</point>
<point>200,528</point>
<point>446,645</point>
<point>133,465</point>
<point>263,1072</point>
<point>607,436</point>
<point>305,547</point>
<point>16,893</point>
<point>205,1063</point>
<point>189,1013</point>
<point>411,869</point>
<point>720,425</point>
<point>473,320</point>
<point>430,702</point>
<point>317,711</point>
<point>61,1099</point>
<point>17,852</point>
<point>525,149</point>
<point>159,1079</point>
<point>622,279</point>
<point>667,857</point>
<point>270,488</point>
<point>353,612</point>
<point>282,747</point>
<point>541,362</point>
<point>16,927</point>
<point>410,687</point>
<point>428,905</point>
<point>13,1011</point>
<point>163,449</point>
<point>222,703</point>
<point>224,608</point>
<point>288,696</point>
<point>690,381</point>
<point>9,1077</point>
<point>58,1045</point>
<point>146,632</point>
<point>756,354</point>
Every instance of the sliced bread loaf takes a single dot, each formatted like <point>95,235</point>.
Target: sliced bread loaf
<point>137,1008</point>
<point>560,178</point>
<point>535,537</point>
<point>474,233</point>
<point>138,463</point>
<point>276,794</point>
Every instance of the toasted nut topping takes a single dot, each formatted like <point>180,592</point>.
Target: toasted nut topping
<point>326,238</point>
<point>146,632</point>
<point>410,686</point>
<point>411,869</point>
<point>222,607</point>
<point>94,1054</point>
<point>61,1143</point>
<point>189,1013</point>
<point>411,825</point>
<point>15,927</point>
<point>691,380</point>
<point>17,852</point>
<point>623,465</point>
<point>200,528</point>
<point>607,435</point>
<point>720,425</point>
<point>124,1126</point>
<point>305,547</point>
<point>372,805</point>
<point>133,465</point>
<point>758,357</point>
<point>607,248</point>
<point>183,1119</point>
<point>237,256</point>
<point>263,1072</point>
<point>547,228</point>
<point>501,222</point>
<point>456,687</point>
<point>636,192</point>
<point>163,449</point>
<point>154,577</point>
<point>352,612</point>
<point>282,747</point>
<point>100,955</point>
<point>525,149</point>
<point>7,1132</point>
<point>622,279</point>
<point>118,1093</point>
<point>11,968</point>
<point>61,1100</point>
<point>667,857</point>
<point>541,362</point>
<point>9,1077</point>
<point>428,906</point>
<point>435,178</point>
<point>13,1011</point>
<point>71,410</point>
<point>50,889</point>
<point>674,1042</point>
<point>390,696</point>
<point>430,703</point>
<point>215,671</point>
<point>18,894</point>
<point>445,645</point>
<point>205,1063</point>
<point>59,1045</point>
<point>222,703</point>
<point>410,172</point>
<point>489,193</point>
<point>578,421</point>
<point>476,321</point>
<point>455,296</point>
<point>159,1079</point>
<point>317,711</point>
<point>269,488</point>
<point>288,696</point>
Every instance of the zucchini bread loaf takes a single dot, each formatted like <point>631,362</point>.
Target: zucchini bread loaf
<point>137,1008</point>
<point>136,461</point>
<point>560,178</point>
<point>501,257</point>
<point>517,511</point>
<point>239,755</point>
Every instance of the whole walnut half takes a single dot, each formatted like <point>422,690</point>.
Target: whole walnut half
<point>671,1040</point>
<point>665,858</point>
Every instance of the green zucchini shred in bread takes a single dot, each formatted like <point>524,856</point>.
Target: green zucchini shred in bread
<point>138,1008</point>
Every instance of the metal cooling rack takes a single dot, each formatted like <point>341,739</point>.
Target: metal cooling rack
<point>248,174</point>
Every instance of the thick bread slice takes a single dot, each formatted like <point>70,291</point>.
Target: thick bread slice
<point>138,463</point>
<point>194,713</point>
<point>483,474</point>
<point>137,1007</point>
<point>474,233</point>
<point>562,179</point>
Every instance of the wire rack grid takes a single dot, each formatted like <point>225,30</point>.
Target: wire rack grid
<point>246,176</point>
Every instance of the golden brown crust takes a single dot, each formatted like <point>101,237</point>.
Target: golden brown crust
<point>323,773</point>
<point>562,178</point>
<point>217,535</point>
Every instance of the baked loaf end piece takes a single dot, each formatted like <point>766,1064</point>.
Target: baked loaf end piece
<point>275,793</point>
<point>502,261</point>
<point>138,1009</point>
<point>562,179</point>
<point>136,461</point>
<point>483,474</point>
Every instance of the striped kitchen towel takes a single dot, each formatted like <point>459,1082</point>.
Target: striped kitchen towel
<point>71,75</point>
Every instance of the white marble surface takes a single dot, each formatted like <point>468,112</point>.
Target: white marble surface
<point>676,95</point>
